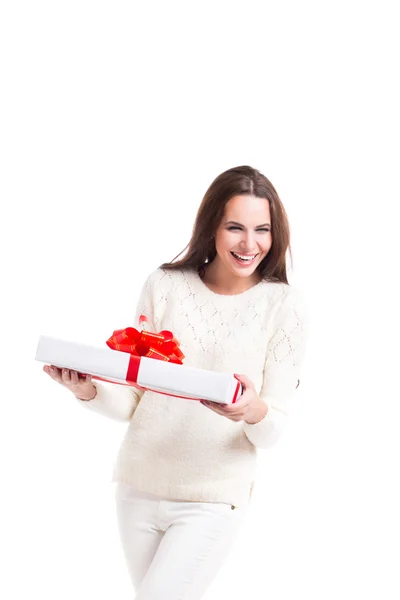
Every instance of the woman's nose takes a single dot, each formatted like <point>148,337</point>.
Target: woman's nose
<point>248,241</point>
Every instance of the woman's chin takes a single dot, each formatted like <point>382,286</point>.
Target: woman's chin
<point>243,270</point>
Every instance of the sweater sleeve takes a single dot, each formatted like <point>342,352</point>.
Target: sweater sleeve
<point>282,370</point>
<point>117,401</point>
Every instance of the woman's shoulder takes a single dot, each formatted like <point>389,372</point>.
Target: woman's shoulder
<point>290,293</point>
<point>282,297</point>
<point>291,303</point>
<point>281,291</point>
<point>168,279</point>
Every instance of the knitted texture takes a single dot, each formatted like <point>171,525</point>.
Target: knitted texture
<point>178,448</point>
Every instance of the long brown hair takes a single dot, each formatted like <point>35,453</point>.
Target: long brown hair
<point>234,182</point>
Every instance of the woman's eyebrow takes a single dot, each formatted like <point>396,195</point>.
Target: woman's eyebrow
<point>240,225</point>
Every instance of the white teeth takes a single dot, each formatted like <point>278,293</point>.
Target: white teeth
<point>244,257</point>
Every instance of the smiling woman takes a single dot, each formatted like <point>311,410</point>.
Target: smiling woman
<point>241,231</point>
<point>242,241</point>
<point>186,469</point>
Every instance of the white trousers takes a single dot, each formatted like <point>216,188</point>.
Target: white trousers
<point>174,549</point>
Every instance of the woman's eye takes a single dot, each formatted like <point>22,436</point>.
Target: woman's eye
<point>235,228</point>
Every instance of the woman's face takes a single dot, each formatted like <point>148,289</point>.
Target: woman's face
<point>244,237</point>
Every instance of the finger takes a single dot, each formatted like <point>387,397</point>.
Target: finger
<point>243,400</point>
<point>245,381</point>
<point>48,370</point>
<point>84,377</point>
<point>66,376</point>
<point>242,378</point>
<point>74,378</point>
<point>207,404</point>
<point>219,408</point>
<point>55,374</point>
<point>220,405</point>
<point>231,407</point>
<point>213,404</point>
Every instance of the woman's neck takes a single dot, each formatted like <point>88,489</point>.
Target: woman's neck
<point>221,281</point>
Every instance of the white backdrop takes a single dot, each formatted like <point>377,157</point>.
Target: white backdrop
<point>115,118</point>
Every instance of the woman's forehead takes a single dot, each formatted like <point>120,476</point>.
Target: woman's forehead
<point>247,207</point>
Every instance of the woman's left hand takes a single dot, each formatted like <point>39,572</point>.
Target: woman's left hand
<point>249,407</point>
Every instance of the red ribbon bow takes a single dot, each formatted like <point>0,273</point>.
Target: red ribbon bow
<point>161,346</point>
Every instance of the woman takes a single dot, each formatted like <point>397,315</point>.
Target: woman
<point>185,469</point>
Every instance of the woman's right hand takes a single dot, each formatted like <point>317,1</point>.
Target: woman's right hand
<point>81,386</point>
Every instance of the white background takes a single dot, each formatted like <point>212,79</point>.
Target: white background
<point>115,118</point>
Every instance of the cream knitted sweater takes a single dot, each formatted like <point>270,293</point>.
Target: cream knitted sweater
<point>178,448</point>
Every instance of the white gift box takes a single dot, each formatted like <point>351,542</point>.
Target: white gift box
<point>148,373</point>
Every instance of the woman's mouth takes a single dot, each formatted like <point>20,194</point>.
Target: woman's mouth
<point>244,260</point>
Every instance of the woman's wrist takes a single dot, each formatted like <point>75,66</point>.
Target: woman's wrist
<point>259,413</point>
<point>91,396</point>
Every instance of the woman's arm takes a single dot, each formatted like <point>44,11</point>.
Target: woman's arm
<point>282,370</point>
<point>112,400</point>
<point>116,401</point>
